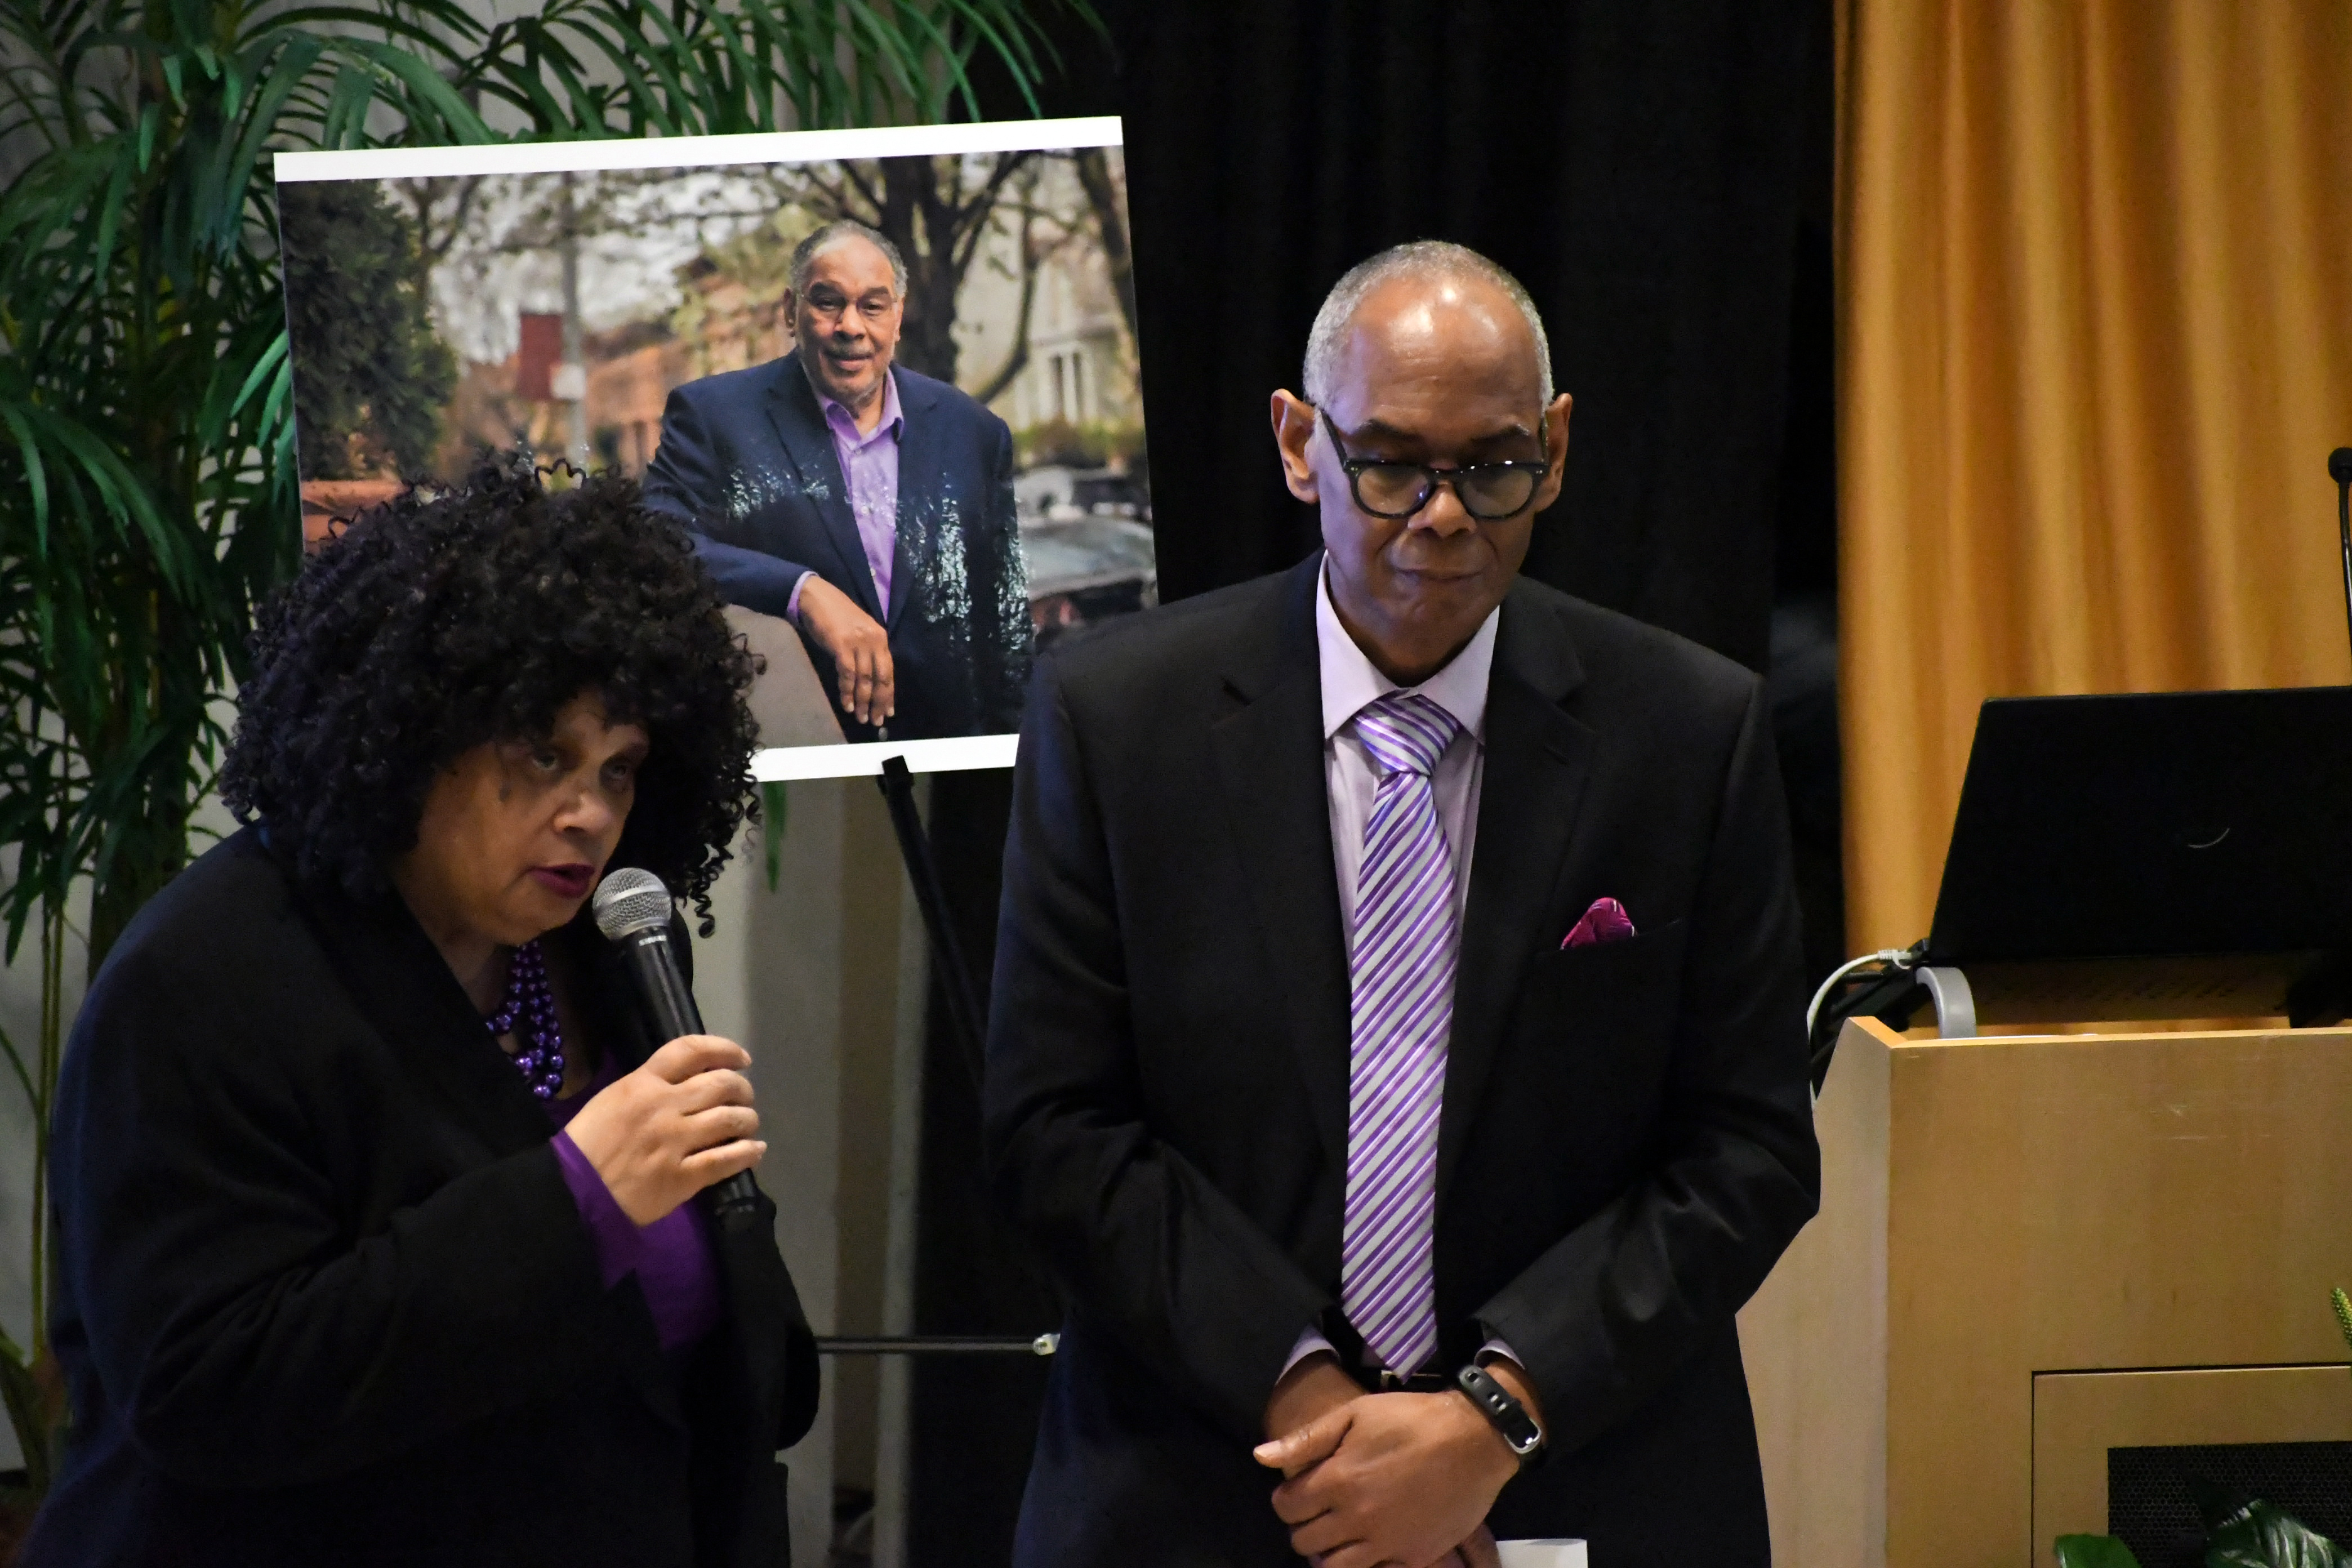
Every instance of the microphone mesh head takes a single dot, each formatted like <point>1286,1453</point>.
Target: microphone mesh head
<point>631,901</point>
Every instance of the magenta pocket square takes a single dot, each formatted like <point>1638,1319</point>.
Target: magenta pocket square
<point>1606,920</point>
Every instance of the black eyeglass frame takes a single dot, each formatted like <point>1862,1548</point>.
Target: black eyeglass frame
<point>1432,478</point>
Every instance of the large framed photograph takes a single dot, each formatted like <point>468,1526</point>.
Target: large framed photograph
<point>887,379</point>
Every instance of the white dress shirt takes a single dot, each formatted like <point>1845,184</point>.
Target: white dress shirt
<point>1350,684</point>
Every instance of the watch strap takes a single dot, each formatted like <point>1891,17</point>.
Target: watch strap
<point>1498,1405</point>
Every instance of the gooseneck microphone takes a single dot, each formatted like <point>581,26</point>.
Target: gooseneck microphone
<point>633,910</point>
<point>2339,469</point>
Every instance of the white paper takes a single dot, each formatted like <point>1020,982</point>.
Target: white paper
<point>1541,1554</point>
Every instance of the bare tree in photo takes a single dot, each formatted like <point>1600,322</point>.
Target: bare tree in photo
<point>440,209</point>
<point>1105,191</point>
<point>1032,249</point>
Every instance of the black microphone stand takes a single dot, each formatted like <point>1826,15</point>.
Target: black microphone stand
<point>2339,469</point>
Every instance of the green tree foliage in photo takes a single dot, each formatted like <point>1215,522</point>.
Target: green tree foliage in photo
<point>372,375</point>
<point>147,429</point>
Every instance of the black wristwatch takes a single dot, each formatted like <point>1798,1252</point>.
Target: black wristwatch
<point>1510,1417</point>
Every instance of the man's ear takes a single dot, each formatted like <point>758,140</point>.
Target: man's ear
<point>792,315</point>
<point>1294,427</point>
<point>1555,449</point>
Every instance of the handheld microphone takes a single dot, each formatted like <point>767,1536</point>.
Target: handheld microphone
<point>633,909</point>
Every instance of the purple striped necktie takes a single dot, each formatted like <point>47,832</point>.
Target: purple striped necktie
<point>1401,984</point>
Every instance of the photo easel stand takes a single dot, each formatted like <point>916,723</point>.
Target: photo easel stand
<point>898,784</point>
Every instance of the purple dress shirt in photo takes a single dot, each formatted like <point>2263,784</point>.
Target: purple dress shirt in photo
<point>671,1257</point>
<point>869,467</point>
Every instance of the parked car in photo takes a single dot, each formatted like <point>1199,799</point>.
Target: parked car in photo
<point>1086,534</point>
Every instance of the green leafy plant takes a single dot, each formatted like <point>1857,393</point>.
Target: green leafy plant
<point>2240,1531</point>
<point>2251,1534</point>
<point>147,468</point>
<point>2094,1552</point>
<point>775,801</point>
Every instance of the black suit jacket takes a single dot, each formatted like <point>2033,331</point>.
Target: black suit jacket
<point>324,1297</point>
<point>1626,1143</point>
<point>747,462</point>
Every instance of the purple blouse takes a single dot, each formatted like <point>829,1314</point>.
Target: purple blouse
<point>671,1257</point>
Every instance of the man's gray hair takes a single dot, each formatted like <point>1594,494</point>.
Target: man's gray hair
<point>1422,258</point>
<point>826,236</point>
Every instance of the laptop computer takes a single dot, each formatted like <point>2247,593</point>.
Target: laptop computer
<point>2181,854</point>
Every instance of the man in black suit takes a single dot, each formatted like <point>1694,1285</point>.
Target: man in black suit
<point>1397,1045</point>
<point>869,506</point>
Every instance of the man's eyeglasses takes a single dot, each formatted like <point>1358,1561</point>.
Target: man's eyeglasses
<point>1393,490</point>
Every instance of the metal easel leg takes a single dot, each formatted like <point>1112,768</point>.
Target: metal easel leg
<point>923,872</point>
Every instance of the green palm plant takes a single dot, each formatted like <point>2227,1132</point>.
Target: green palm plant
<point>147,477</point>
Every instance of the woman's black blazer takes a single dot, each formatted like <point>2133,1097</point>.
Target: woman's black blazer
<point>324,1297</point>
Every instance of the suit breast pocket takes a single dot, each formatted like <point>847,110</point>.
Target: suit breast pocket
<point>1613,1002</point>
<point>1587,1063</point>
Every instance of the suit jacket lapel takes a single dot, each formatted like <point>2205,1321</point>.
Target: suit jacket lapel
<point>1269,756</point>
<point>1538,760</point>
<point>404,986</point>
<point>800,426</point>
<point>920,503</point>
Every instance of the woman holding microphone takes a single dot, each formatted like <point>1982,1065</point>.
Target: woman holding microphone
<point>376,1191</point>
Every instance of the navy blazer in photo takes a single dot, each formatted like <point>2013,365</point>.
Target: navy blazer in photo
<point>748,463</point>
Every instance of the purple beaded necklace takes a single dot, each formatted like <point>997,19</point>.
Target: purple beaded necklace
<point>529,1012</point>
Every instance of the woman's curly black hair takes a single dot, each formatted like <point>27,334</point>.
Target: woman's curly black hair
<point>435,624</point>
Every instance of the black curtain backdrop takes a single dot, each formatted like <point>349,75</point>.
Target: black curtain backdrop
<point>1641,168</point>
<point>1657,176</point>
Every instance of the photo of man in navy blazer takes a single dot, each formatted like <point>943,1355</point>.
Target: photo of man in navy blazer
<point>869,506</point>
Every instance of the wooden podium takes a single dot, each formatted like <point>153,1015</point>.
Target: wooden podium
<point>2033,1248</point>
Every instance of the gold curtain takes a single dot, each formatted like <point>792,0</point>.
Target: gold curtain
<point>2094,346</point>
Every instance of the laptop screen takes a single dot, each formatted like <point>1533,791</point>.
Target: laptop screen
<point>2216,822</point>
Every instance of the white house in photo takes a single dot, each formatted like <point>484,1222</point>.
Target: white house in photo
<point>1081,367</point>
